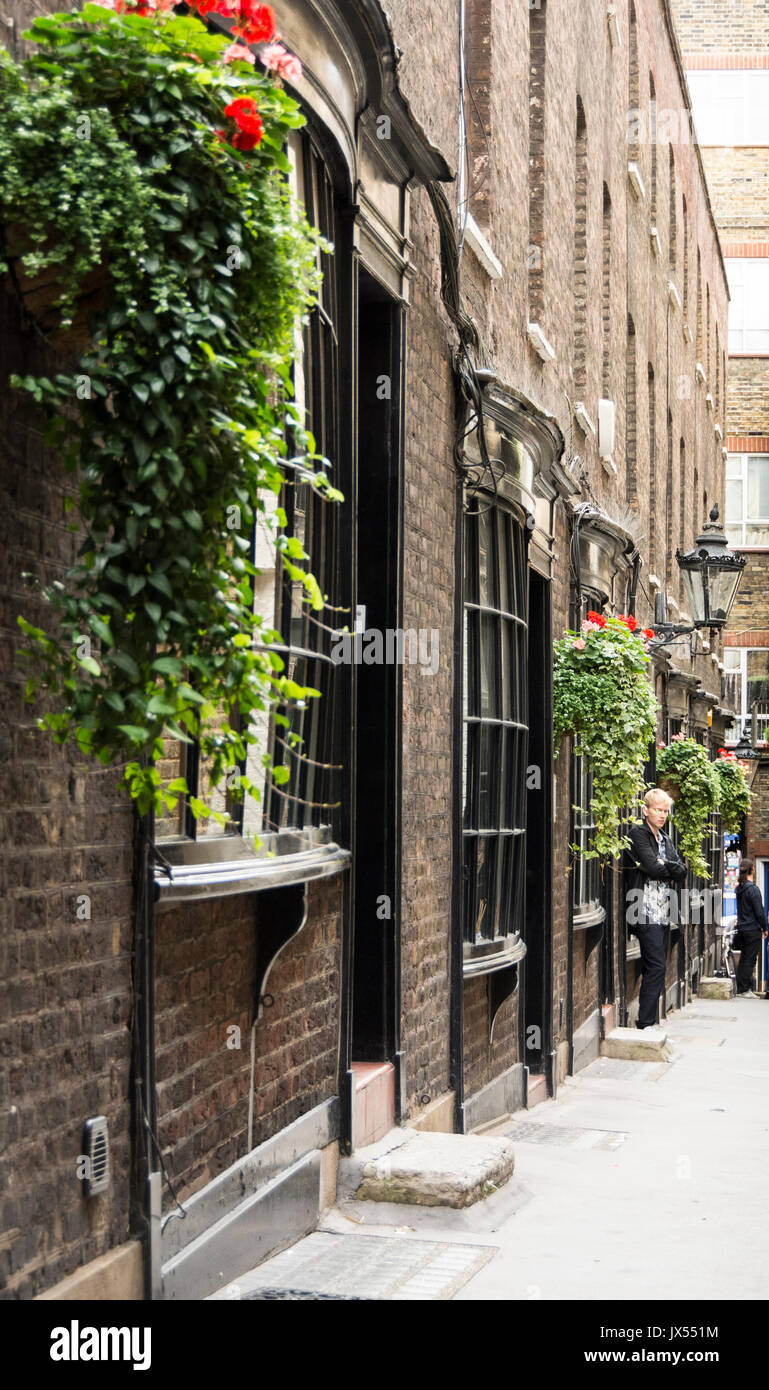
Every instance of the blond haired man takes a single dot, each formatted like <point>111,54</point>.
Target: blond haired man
<point>652,865</point>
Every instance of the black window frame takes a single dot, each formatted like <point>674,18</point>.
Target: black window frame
<point>495,723</point>
<point>316,785</point>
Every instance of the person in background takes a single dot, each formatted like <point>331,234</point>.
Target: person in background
<point>652,866</point>
<point>751,926</point>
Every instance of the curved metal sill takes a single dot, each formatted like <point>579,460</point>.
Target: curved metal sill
<point>491,956</point>
<point>585,920</point>
<point>194,869</point>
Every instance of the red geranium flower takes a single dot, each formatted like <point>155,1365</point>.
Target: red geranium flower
<point>648,633</point>
<point>598,618</point>
<point>632,624</point>
<point>246,139</point>
<point>245,114</point>
<point>256,23</point>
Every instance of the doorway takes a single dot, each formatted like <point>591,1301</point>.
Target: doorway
<point>377,702</point>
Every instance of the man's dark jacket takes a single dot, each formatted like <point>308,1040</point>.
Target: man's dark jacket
<point>750,908</point>
<point>641,862</point>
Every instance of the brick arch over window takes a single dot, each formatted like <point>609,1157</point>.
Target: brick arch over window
<point>606,294</point>
<point>669,505</point>
<point>631,417</point>
<point>682,518</point>
<point>653,144</point>
<point>580,252</point>
<point>634,92</point>
<point>686,260</point>
<point>479,41</point>
<point>699,305</point>
<point>673,220</point>
<point>652,400</point>
<point>537,108</point>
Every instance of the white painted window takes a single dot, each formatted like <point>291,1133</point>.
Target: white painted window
<point>749,308</point>
<point>747,500</point>
<point>747,672</point>
<point>730,108</point>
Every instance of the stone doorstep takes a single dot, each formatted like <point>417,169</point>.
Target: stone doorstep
<point>430,1169</point>
<point>715,987</point>
<point>637,1045</point>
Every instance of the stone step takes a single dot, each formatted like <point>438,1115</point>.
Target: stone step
<point>715,987</point>
<point>637,1044</point>
<point>429,1169</point>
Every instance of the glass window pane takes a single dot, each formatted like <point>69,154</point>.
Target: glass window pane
<point>734,500</point>
<point>488,586</point>
<point>734,535</point>
<point>734,466</point>
<point>490,702</point>
<point>757,535</point>
<point>758,675</point>
<point>509,674</point>
<point>503,541</point>
<point>758,487</point>
<point>485,821</point>
<point>481,925</point>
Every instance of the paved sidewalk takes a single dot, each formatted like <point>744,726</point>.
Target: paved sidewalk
<point>625,1187</point>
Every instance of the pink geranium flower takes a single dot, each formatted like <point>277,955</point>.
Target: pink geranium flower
<point>238,53</point>
<point>580,644</point>
<point>276,58</point>
<point>587,626</point>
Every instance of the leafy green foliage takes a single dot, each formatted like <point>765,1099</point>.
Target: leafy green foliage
<point>182,434</point>
<point>696,790</point>
<point>736,796</point>
<point>602,695</point>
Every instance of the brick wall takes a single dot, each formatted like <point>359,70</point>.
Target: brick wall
<point>427,727</point>
<point>748,395</point>
<point>206,961</point>
<point>715,27</point>
<point>739,187</point>
<point>65,904</point>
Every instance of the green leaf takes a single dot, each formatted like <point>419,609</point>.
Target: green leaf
<point>160,582</point>
<point>168,666</point>
<point>125,663</point>
<point>135,732</point>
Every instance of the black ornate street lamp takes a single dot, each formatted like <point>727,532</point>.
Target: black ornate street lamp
<point>711,574</point>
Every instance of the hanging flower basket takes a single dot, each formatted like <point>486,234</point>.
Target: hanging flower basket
<point>685,765</point>
<point>602,696</point>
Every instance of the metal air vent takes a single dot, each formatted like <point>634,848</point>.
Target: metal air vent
<point>96,1151</point>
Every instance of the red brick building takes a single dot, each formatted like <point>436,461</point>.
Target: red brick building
<point>422,948</point>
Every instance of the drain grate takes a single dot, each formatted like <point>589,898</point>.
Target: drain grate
<point>353,1267</point>
<point>526,1132</point>
<point>617,1069</point>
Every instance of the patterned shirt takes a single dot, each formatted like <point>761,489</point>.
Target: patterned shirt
<point>657,893</point>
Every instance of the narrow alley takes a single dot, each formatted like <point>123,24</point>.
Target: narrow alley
<point>631,1185</point>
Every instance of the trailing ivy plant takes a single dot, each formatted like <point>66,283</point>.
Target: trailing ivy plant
<point>142,143</point>
<point>735,795</point>
<point>685,771</point>
<point>602,695</point>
